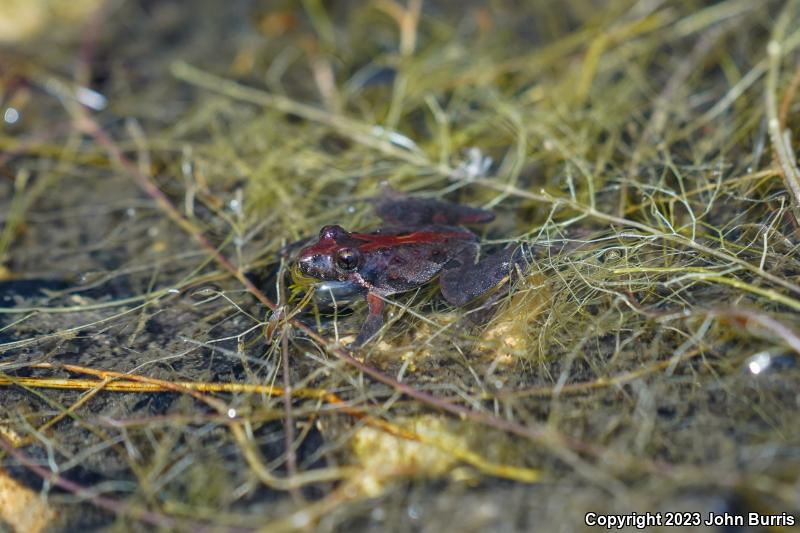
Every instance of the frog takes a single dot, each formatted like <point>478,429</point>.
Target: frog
<point>423,239</point>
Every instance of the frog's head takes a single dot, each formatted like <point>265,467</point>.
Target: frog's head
<point>334,256</point>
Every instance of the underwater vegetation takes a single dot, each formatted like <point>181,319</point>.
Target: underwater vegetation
<point>164,362</point>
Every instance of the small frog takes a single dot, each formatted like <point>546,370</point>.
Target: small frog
<point>424,238</point>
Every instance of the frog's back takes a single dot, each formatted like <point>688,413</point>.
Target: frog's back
<point>398,260</point>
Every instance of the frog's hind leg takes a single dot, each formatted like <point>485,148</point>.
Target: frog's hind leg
<point>463,280</point>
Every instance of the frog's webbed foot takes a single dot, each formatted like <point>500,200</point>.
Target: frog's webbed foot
<point>463,280</point>
<point>374,320</point>
<point>400,210</point>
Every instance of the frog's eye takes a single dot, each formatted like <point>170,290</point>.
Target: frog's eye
<point>332,232</point>
<point>347,259</point>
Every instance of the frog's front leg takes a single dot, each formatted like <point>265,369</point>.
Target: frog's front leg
<point>374,320</point>
<point>463,280</point>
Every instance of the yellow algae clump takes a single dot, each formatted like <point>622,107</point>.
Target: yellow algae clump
<point>21,508</point>
<point>384,456</point>
<point>426,447</point>
<point>511,334</point>
<point>10,435</point>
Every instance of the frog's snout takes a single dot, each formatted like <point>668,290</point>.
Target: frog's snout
<point>315,265</point>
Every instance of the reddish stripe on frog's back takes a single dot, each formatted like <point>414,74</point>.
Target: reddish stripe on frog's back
<point>374,241</point>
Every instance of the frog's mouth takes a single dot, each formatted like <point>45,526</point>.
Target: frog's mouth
<point>330,292</point>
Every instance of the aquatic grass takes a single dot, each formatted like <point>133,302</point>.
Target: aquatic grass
<point>648,358</point>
